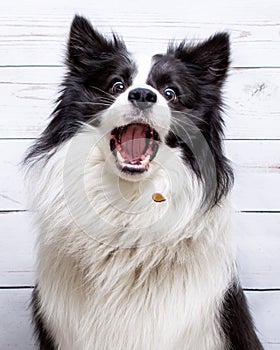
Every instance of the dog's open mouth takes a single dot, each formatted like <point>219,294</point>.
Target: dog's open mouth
<point>134,146</point>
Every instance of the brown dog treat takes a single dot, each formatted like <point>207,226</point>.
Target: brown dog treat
<point>158,197</point>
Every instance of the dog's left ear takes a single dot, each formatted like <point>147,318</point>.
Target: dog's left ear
<point>211,57</point>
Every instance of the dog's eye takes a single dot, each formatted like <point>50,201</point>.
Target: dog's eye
<point>118,87</point>
<point>170,94</point>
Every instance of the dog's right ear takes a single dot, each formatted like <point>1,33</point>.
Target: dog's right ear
<point>85,43</point>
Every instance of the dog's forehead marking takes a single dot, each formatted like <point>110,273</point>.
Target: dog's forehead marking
<point>144,64</point>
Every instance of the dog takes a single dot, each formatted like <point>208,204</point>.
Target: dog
<point>130,193</point>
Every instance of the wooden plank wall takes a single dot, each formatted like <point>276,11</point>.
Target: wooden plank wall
<point>32,44</point>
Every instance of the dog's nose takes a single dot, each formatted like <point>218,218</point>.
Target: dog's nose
<point>142,98</point>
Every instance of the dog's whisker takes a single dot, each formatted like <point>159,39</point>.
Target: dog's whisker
<point>93,103</point>
<point>103,91</point>
<point>178,132</point>
<point>187,122</point>
<point>189,115</point>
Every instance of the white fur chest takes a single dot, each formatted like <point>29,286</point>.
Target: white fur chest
<point>172,305</point>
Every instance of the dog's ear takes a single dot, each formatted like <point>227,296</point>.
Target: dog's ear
<point>211,57</point>
<point>156,58</point>
<point>86,43</point>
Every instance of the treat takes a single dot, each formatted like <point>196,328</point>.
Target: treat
<point>158,197</point>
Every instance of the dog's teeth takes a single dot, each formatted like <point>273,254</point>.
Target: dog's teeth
<point>146,160</point>
<point>120,158</point>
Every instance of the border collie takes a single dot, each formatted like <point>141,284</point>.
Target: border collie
<point>129,189</point>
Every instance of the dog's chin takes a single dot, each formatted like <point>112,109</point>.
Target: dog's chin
<point>132,177</point>
<point>134,147</point>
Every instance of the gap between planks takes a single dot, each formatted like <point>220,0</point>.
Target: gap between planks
<point>244,289</point>
<point>62,66</point>
<point>226,139</point>
<point>10,211</point>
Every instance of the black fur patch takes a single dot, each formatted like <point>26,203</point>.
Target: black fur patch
<point>237,322</point>
<point>94,63</point>
<point>43,336</point>
<point>196,73</point>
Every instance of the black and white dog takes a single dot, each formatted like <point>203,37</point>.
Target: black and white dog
<point>129,188</point>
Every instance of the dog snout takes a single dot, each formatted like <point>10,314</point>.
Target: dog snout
<point>142,98</point>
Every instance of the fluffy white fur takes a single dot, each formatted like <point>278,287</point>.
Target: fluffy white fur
<point>117,270</point>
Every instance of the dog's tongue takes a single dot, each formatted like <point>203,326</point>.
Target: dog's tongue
<point>134,141</point>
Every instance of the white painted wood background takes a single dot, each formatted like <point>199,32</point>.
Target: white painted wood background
<point>32,44</point>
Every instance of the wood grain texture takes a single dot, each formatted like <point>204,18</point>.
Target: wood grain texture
<point>257,174</point>
<point>265,307</point>
<point>15,327</point>
<point>34,34</point>
<point>258,241</point>
<point>16,332</point>
<point>17,251</point>
<point>258,259</point>
<point>251,96</point>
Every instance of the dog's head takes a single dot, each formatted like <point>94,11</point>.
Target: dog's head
<point>144,109</point>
